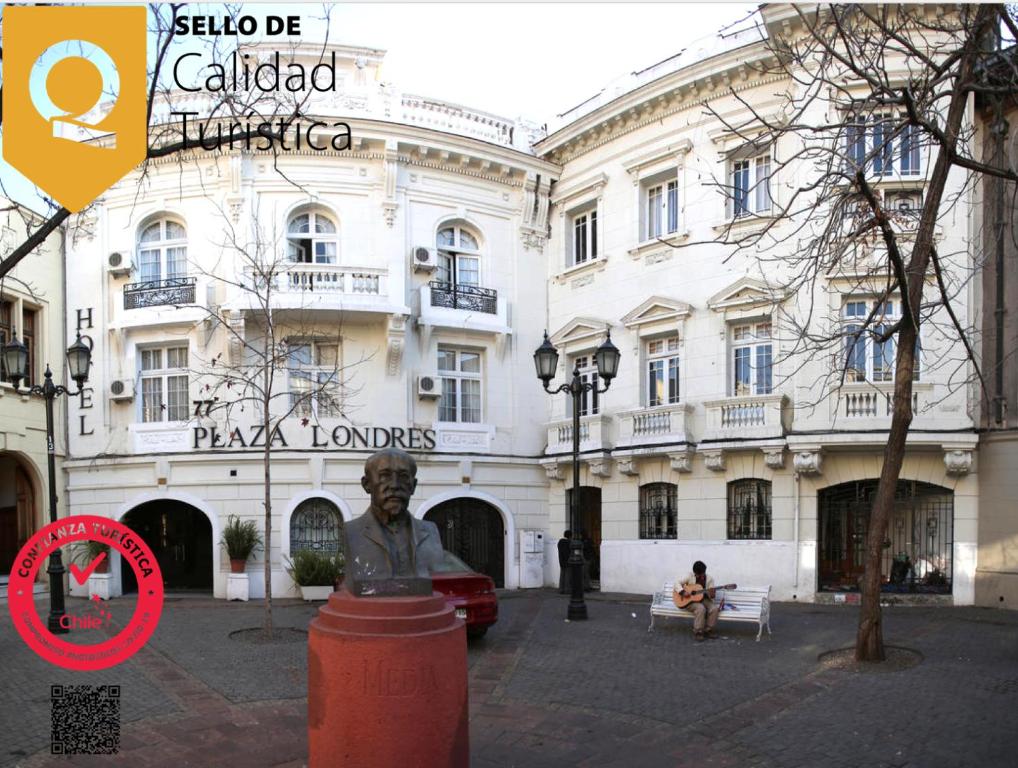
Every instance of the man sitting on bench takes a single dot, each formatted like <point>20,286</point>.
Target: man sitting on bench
<point>706,611</point>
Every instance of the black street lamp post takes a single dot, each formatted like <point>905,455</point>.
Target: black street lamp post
<point>16,362</point>
<point>546,361</point>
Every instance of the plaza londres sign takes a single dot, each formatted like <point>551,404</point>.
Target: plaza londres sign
<point>216,437</point>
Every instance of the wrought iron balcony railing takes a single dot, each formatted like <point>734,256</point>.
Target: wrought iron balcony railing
<point>172,291</point>
<point>455,296</point>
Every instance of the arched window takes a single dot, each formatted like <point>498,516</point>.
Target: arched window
<point>749,509</point>
<point>316,525</point>
<point>658,502</point>
<point>459,257</point>
<point>311,237</point>
<point>162,251</point>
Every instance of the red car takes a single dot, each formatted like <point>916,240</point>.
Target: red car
<point>472,594</point>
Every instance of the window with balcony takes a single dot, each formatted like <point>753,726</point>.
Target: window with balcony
<point>313,372</point>
<point>311,237</point>
<point>749,509</point>
<point>584,240</point>
<point>16,318</point>
<point>749,183</point>
<point>162,251</point>
<point>659,204</point>
<point>663,371</point>
<point>460,373</point>
<point>164,383</point>
<point>658,505</point>
<point>892,145</point>
<point>458,276</point>
<point>752,359</point>
<point>868,357</point>
<point>162,267</point>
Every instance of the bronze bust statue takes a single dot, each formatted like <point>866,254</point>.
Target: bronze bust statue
<point>388,551</point>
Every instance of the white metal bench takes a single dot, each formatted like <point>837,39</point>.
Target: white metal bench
<point>752,604</point>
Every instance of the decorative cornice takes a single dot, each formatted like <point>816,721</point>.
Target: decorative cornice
<point>618,126</point>
<point>456,167</point>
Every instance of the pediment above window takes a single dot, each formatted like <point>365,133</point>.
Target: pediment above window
<point>650,162</point>
<point>580,333</point>
<point>656,312</point>
<point>589,187</point>
<point>745,293</point>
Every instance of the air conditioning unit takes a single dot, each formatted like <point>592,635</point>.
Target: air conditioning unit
<point>122,389</point>
<point>118,263</point>
<point>425,259</point>
<point>428,386</point>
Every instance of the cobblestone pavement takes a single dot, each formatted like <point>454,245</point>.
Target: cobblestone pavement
<point>546,692</point>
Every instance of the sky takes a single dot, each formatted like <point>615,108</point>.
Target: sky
<point>533,60</point>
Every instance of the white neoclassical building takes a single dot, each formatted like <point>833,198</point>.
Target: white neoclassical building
<point>424,264</point>
<point>412,272</point>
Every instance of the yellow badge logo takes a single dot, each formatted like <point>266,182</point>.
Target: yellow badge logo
<point>74,97</point>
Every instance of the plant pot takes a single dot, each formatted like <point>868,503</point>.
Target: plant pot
<point>238,566</point>
<point>238,587</point>
<point>100,584</point>
<point>316,593</point>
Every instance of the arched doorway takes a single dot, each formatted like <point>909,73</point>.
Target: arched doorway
<point>473,531</point>
<point>181,540</point>
<point>918,548</point>
<point>17,510</point>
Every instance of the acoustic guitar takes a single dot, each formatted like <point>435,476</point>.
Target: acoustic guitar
<point>694,594</point>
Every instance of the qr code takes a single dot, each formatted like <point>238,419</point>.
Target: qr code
<point>85,719</point>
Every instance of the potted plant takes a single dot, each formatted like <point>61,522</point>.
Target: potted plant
<point>99,580</point>
<point>316,573</point>
<point>240,540</point>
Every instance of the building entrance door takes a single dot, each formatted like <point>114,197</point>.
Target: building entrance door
<point>181,540</point>
<point>473,531</point>
<point>17,511</point>
<point>590,527</point>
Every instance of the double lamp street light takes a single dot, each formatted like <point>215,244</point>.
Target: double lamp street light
<point>79,356</point>
<point>607,361</point>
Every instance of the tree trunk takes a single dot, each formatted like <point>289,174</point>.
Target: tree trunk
<point>267,467</point>
<point>869,643</point>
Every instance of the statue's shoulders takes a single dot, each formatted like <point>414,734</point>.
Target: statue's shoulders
<point>358,524</point>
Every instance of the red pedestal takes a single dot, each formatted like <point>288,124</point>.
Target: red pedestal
<point>387,684</point>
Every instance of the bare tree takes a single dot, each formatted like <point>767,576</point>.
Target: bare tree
<point>267,360</point>
<point>867,90</point>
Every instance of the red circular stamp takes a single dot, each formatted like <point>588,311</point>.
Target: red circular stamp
<point>33,629</point>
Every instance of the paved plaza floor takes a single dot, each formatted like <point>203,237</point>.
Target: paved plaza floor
<point>545,692</point>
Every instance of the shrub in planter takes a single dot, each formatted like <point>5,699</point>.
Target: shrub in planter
<point>316,573</point>
<point>87,551</point>
<point>240,540</point>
